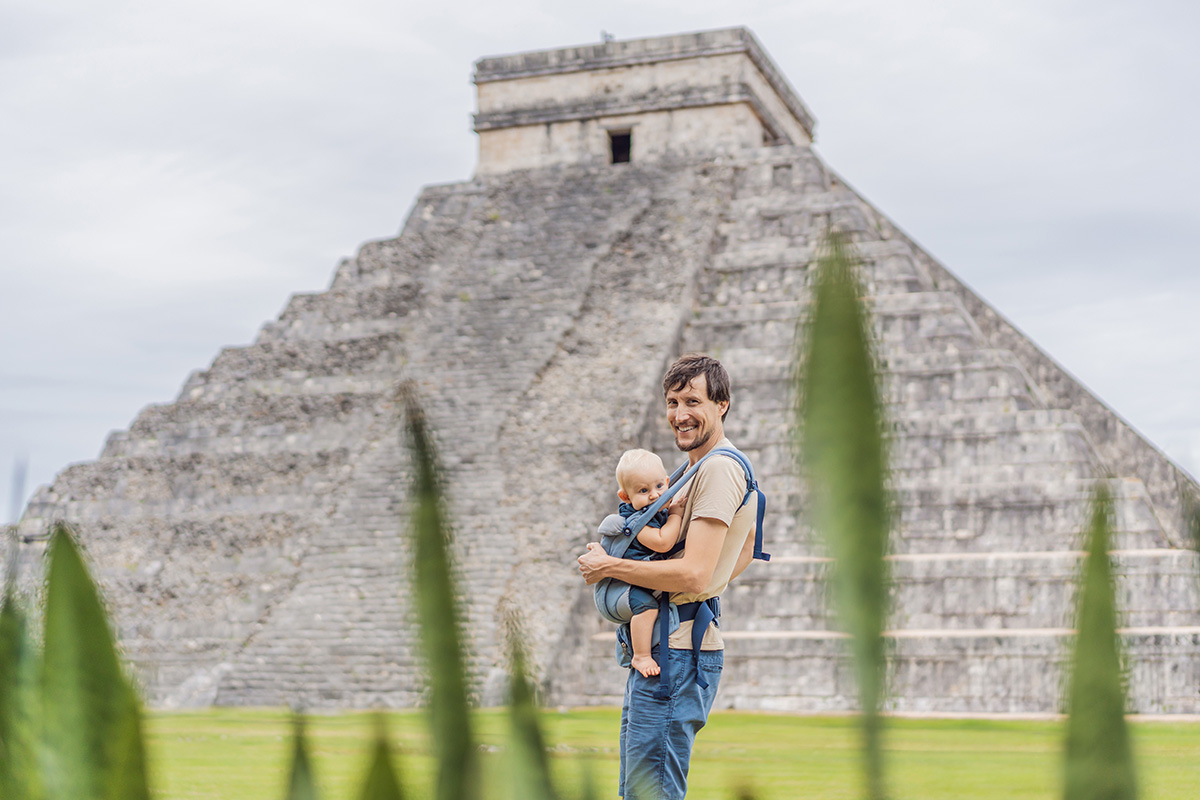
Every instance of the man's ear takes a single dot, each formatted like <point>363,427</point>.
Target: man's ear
<point>624,497</point>
<point>723,406</point>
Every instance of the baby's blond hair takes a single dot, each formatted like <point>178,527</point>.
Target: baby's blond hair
<point>631,461</point>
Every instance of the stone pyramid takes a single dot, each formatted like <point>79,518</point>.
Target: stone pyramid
<point>633,200</point>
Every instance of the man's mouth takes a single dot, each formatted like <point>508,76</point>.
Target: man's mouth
<point>685,428</point>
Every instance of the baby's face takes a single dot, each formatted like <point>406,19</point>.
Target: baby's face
<point>645,485</point>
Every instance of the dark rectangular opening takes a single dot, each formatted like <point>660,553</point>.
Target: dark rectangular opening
<point>620,143</point>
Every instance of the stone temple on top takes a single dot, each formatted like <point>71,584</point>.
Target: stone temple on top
<point>633,200</point>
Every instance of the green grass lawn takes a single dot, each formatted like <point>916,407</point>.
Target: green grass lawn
<point>234,754</point>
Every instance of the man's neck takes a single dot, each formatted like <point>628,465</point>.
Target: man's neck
<point>710,445</point>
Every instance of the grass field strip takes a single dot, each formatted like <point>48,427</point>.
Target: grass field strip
<point>1013,555</point>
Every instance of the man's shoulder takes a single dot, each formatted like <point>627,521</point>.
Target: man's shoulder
<point>722,465</point>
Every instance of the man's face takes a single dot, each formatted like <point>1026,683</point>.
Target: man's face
<point>693,417</point>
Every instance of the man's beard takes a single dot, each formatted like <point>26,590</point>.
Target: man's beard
<point>697,443</point>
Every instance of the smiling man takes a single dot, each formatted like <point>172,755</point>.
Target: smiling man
<point>658,729</point>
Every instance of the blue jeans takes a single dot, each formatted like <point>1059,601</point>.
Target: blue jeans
<point>657,735</point>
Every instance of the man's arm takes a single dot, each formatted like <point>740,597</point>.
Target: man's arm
<point>745,557</point>
<point>690,573</point>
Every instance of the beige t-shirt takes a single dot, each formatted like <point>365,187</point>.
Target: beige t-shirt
<point>715,492</point>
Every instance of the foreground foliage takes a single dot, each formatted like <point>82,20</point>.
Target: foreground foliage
<point>1099,759</point>
<point>70,722</point>
<point>841,450</point>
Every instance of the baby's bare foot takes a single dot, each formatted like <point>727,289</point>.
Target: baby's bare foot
<point>645,665</point>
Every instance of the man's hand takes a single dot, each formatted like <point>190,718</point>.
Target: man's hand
<point>593,562</point>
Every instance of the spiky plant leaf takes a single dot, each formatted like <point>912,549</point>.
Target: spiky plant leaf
<point>20,706</point>
<point>1099,756</point>
<point>588,790</point>
<point>438,614</point>
<point>381,782</point>
<point>91,715</point>
<point>530,779</point>
<point>842,451</point>
<point>301,783</point>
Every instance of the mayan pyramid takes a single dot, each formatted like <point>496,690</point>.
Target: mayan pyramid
<point>633,200</point>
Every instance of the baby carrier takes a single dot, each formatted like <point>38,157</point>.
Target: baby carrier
<point>612,596</point>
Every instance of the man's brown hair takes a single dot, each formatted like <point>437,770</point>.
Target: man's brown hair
<point>688,366</point>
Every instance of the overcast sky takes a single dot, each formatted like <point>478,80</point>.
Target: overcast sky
<point>171,172</point>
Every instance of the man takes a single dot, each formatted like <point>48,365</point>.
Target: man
<point>657,732</point>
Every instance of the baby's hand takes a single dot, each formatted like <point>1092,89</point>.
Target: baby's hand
<point>677,504</point>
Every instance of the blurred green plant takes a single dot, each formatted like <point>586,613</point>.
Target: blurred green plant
<point>528,762</point>
<point>437,612</point>
<point>70,721</point>
<point>840,447</point>
<point>1191,516</point>
<point>381,782</point>
<point>20,706</point>
<point>1099,758</point>
<point>301,782</point>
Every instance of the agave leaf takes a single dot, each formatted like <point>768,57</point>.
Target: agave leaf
<point>1099,757</point>
<point>301,784</point>
<point>91,714</point>
<point>588,792</point>
<point>20,712</point>
<point>381,783</point>
<point>530,778</point>
<point>438,614</point>
<point>841,449</point>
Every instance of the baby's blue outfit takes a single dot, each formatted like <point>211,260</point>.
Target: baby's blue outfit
<point>639,599</point>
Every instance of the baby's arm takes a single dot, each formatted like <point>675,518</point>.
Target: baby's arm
<point>660,540</point>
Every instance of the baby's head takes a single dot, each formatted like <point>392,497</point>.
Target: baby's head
<point>641,478</point>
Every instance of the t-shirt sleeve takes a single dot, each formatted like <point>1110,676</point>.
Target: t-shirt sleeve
<point>718,489</point>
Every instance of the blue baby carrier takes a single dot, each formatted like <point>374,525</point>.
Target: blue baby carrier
<point>612,596</point>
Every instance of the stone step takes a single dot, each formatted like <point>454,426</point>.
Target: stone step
<point>267,360</point>
<point>203,477</point>
<point>940,591</point>
<point>353,307</point>
<point>914,385</point>
<point>303,425</point>
<point>969,390</point>
<point>972,672</point>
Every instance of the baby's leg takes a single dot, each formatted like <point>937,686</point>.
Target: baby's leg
<point>641,631</point>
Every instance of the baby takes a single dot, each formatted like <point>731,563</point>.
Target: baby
<point>641,478</point>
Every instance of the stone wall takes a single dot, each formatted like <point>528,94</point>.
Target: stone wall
<point>681,96</point>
